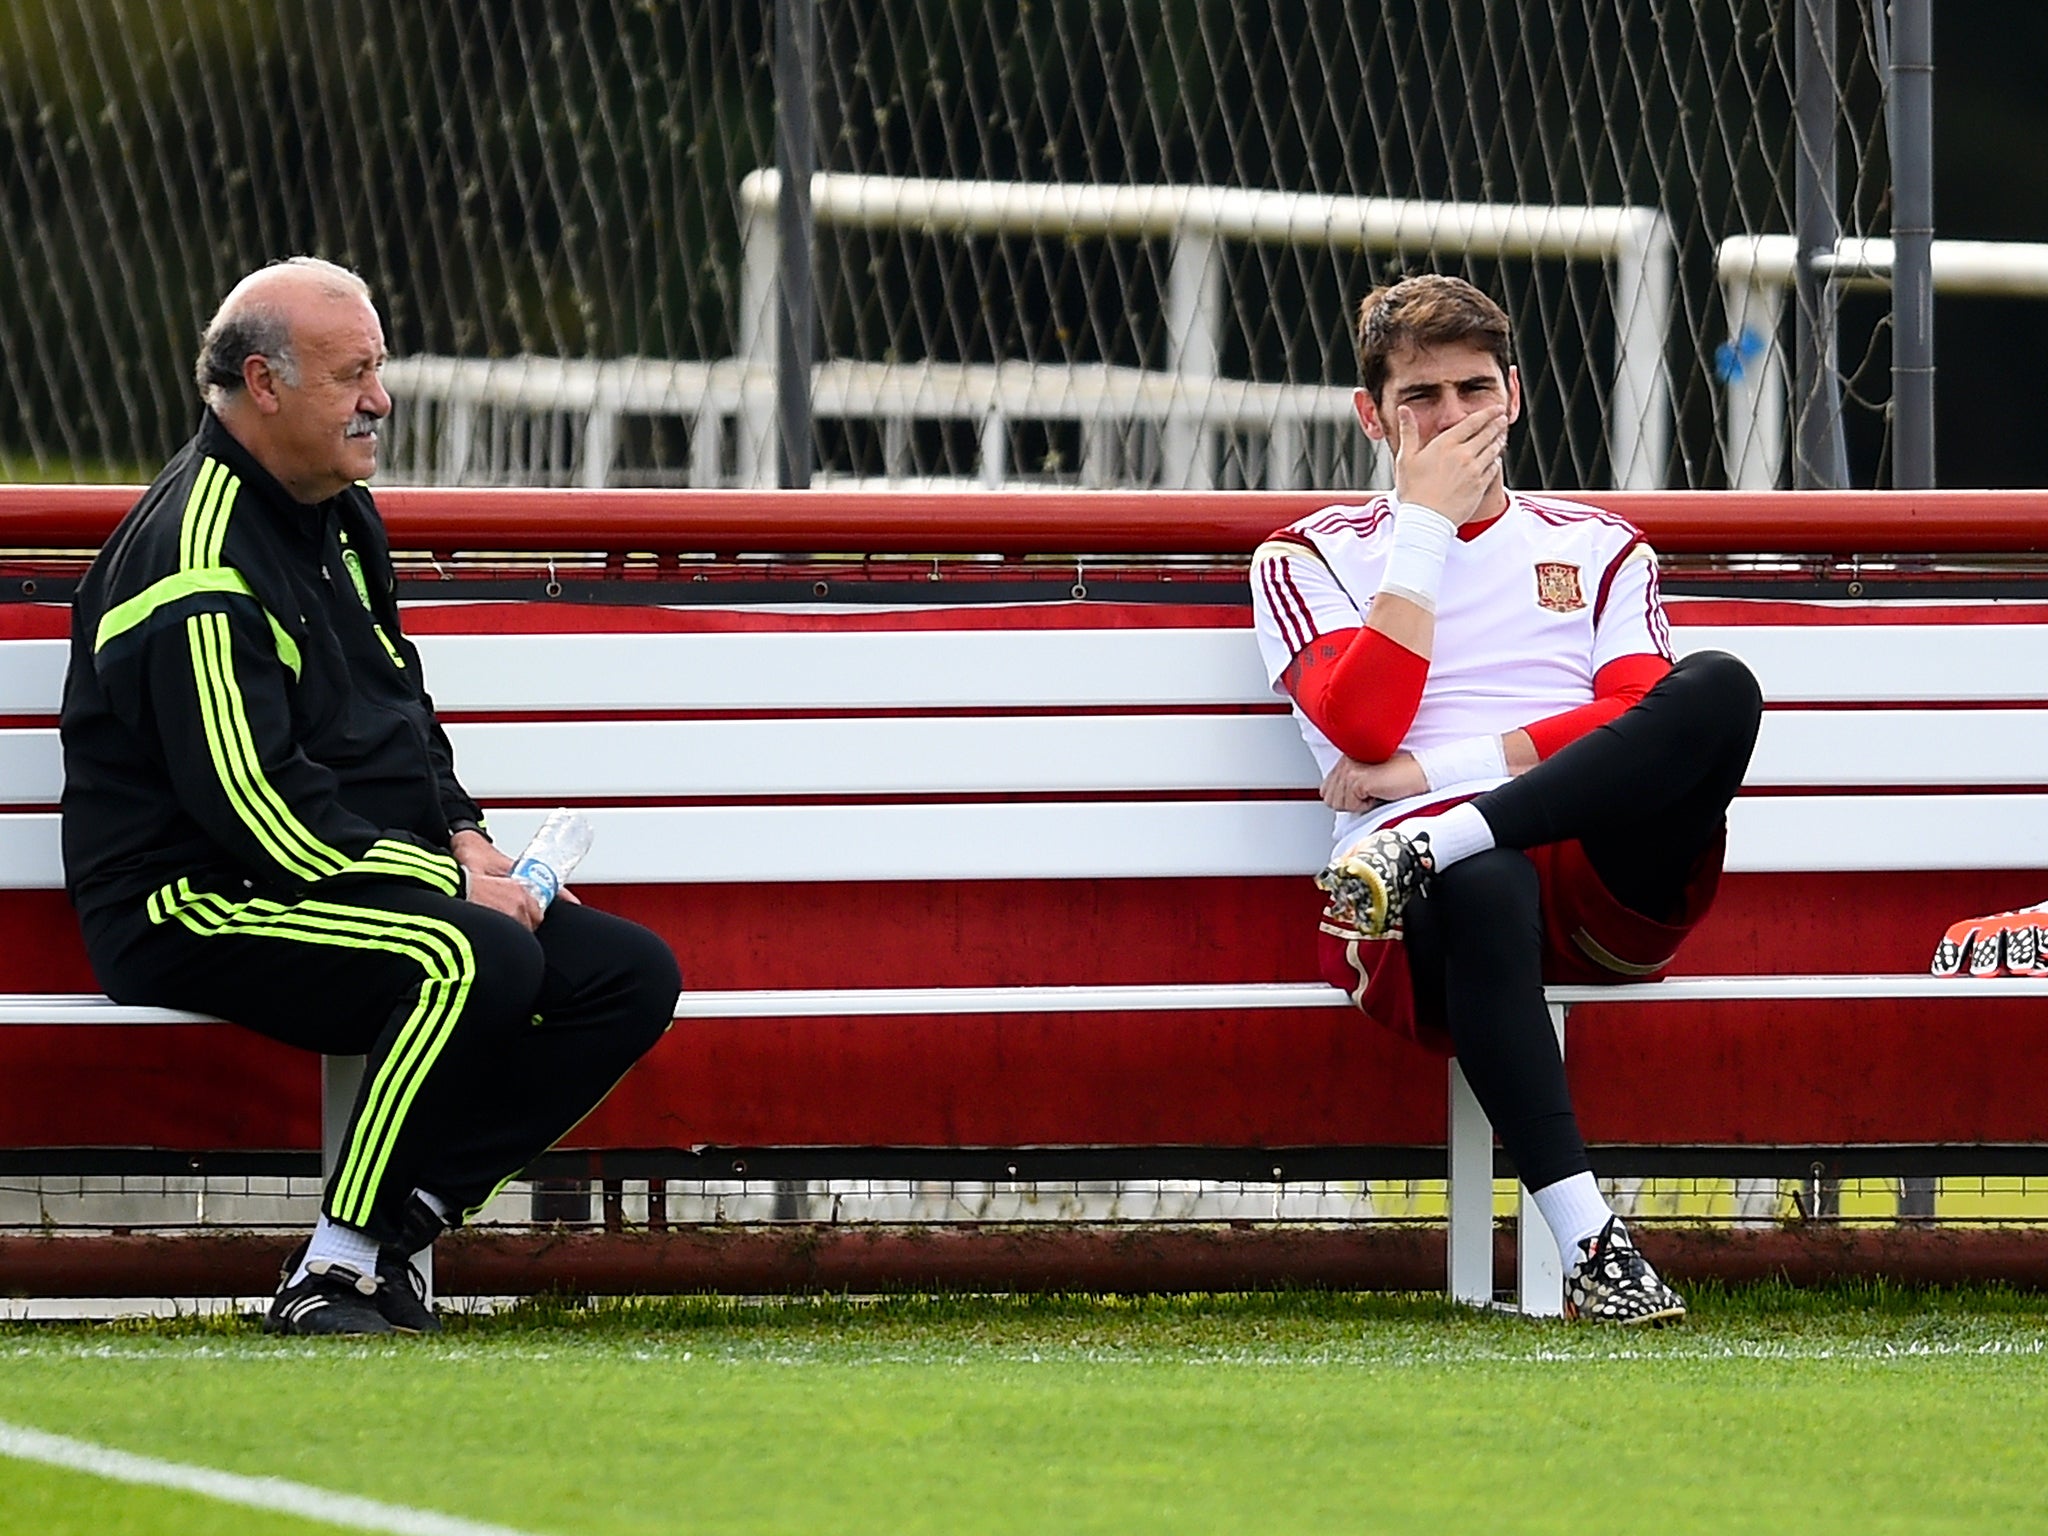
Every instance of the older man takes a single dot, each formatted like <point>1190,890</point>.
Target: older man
<point>262,820</point>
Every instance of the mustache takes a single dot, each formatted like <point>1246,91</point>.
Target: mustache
<point>362,424</point>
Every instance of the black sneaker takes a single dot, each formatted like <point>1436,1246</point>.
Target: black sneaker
<point>402,1293</point>
<point>332,1299</point>
<point>1369,887</point>
<point>1612,1283</point>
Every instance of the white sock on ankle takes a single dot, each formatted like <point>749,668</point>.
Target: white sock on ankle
<point>1456,834</point>
<point>1574,1210</point>
<point>339,1245</point>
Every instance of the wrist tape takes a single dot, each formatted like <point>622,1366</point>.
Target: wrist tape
<point>1461,762</point>
<point>1422,542</point>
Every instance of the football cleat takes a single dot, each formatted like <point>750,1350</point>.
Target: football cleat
<point>402,1293</point>
<point>1612,1283</point>
<point>332,1300</point>
<point>1370,884</point>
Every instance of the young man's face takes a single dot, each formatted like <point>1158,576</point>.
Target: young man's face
<point>1440,386</point>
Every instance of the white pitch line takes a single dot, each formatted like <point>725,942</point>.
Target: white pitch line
<point>273,1493</point>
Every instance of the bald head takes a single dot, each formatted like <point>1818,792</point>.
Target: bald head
<point>257,318</point>
<point>289,364</point>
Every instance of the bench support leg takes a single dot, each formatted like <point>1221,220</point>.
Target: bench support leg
<point>340,1078</point>
<point>1469,1197</point>
<point>1540,1280</point>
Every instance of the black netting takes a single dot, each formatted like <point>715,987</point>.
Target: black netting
<point>528,183</point>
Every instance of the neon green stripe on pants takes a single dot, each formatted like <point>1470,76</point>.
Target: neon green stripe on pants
<point>448,966</point>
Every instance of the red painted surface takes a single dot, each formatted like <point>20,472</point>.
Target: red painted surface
<point>1056,1256</point>
<point>188,1088</point>
<point>1104,522</point>
<point>1673,1074</point>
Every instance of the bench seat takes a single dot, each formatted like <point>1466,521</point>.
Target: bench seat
<point>1032,878</point>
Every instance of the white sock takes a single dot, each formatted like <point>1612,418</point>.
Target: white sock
<point>339,1245</point>
<point>1574,1210</point>
<point>1456,834</point>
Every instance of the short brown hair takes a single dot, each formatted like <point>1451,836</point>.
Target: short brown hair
<point>1426,311</point>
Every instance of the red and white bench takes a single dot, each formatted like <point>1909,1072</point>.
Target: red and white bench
<point>1016,891</point>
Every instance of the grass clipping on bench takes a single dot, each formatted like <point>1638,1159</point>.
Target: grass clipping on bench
<point>1867,1407</point>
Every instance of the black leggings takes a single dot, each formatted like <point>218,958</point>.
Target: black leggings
<point>1645,795</point>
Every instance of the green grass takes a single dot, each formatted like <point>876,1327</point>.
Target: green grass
<point>22,468</point>
<point>1872,1410</point>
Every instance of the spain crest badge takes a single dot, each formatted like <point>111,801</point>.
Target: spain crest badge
<point>1557,587</point>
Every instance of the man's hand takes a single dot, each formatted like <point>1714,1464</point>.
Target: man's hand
<point>1452,473</point>
<point>478,855</point>
<point>504,895</point>
<point>1356,786</point>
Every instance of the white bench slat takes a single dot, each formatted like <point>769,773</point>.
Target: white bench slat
<point>1160,839</point>
<point>31,854</point>
<point>31,767</point>
<point>821,845</point>
<point>1811,833</point>
<point>880,1002</point>
<point>812,846</point>
<point>1899,663</point>
<point>805,669</point>
<point>1806,988</point>
<point>1883,663</point>
<point>1879,663</point>
<point>1821,748</point>
<point>611,759</point>
<point>32,676</point>
<point>86,1008</point>
<point>853,1002</point>
<point>937,669</point>
<point>914,756</point>
<point>582,673</point>
<point>823,668</point>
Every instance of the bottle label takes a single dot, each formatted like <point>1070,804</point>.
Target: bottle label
<point>538,878</point>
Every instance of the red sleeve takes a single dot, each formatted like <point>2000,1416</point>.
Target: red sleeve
<point>1616,686</point>
<point>1360,689</point>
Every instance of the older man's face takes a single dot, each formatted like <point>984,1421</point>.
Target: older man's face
<point>326,424</point>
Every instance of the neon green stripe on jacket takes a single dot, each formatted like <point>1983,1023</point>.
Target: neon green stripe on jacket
<point>122,617</point>
<point>285,838</point>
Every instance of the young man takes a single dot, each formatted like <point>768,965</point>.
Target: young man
<point>261,818</point>
<point>1528,788</point>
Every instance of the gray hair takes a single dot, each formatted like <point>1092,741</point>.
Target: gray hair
<point>245,327</point>
<point>253,330</point>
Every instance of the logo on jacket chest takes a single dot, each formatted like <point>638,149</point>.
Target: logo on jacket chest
<point>1558,588</point>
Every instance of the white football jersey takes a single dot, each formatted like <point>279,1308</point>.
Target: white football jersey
<point>1527,613</point>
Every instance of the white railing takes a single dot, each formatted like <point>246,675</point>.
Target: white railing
<point>466,407</point>
<point>1754,272</point>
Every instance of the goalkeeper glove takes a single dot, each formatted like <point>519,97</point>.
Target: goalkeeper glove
<point>2003,944</point>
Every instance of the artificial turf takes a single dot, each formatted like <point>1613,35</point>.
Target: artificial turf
<point>1866,1410</point>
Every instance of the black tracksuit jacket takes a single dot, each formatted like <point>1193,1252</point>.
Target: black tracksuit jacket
<point>242,711</point>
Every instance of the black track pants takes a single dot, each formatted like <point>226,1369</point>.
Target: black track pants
<point>1645,795</point>
<point>485,1043</point>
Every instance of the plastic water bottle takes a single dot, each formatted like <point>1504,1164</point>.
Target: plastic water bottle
<point>557,848</point>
